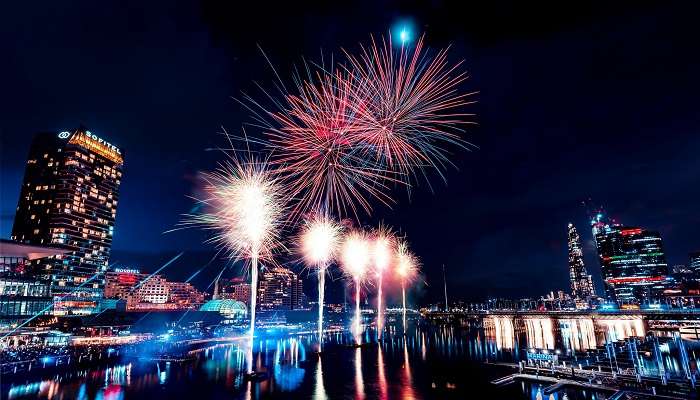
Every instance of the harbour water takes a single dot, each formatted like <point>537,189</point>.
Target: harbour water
<point>444,362</point>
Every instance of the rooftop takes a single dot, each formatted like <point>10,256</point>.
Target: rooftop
<point>9,248</point>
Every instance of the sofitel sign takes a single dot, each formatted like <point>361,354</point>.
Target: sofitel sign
<point>102,142</point>
<point>92,136</point>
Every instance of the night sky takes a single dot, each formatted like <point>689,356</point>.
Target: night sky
<point>574,103</point>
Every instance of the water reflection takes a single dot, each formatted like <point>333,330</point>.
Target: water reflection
<point>438,362</point>
<point>359,382</point>
<point>503,332</point>
<point>381,373</point>
<point>319,389</point>
<point>407,378</point>
<point>288,374</point>
<point>572,334</point>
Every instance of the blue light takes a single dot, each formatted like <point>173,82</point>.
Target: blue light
<point>405,35</point>
<point>46,360</point>
<point>403,32</point>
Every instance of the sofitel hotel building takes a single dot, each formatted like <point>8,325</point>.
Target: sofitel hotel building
<point>68,200</point>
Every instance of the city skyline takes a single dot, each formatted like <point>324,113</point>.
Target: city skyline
<point>49,142</point>
<point>207,199</point>
<point>509,195</point>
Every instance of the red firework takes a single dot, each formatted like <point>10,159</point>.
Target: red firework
<point>348,135</point>
<point>316,146</point>
<point>408,105</point>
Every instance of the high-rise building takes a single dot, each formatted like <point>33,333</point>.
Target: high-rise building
<point>581,283</point>
<point>279,289</point>
<point>236,289</point>
<point>694,264</point>
<point>632,260</point>
<point>69,199</point>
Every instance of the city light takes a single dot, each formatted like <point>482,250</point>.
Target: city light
<point>321,151</point>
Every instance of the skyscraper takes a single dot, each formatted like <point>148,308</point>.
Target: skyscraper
<point>632,261</point>
<point>581,283</point>
<point>69,199</point>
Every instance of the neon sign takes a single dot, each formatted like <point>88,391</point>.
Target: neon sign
<point>127,270</point>
<point>63,135</point>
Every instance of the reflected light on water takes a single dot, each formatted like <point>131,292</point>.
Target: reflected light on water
<point>407,392</point>
<point>426,363</point>
<point>288,374</point>
<point>381,372</point>
<point>319,389</point>
<point>501,329</point>
<point>359,382</point>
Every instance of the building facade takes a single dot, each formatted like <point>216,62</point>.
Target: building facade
<point>143,292</point>
<point>694,265</point>
<point>280,289</point>
<point>632,260</point>
<point>22,295</point>
<point>581,282</point>
<point>69,199</point>
<point>236,289</point>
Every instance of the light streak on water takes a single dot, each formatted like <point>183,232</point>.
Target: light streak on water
<point>319,389</point>
<point>359,382</point>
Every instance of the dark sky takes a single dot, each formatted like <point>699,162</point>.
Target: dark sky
<point>577,102</point>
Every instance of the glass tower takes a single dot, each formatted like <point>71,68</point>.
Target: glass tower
<point>632,260</point>
<point>581,283</point>
<point>69,199</point>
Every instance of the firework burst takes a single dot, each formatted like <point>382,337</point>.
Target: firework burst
<point>355,259</point>
<point>318,243</point>
<point>407,265</point>
<point>315,146</point>
<point>243,206</point>
<point>382,253</point>
<point>408,104</point>
<point>350,133</point>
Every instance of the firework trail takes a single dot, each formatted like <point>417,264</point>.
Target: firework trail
<point>382,248</point>
<point>318,244</point>
<point>242,205</point>
<point>408,105</point>
<point>355,254</point>
<point>407,265</point>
